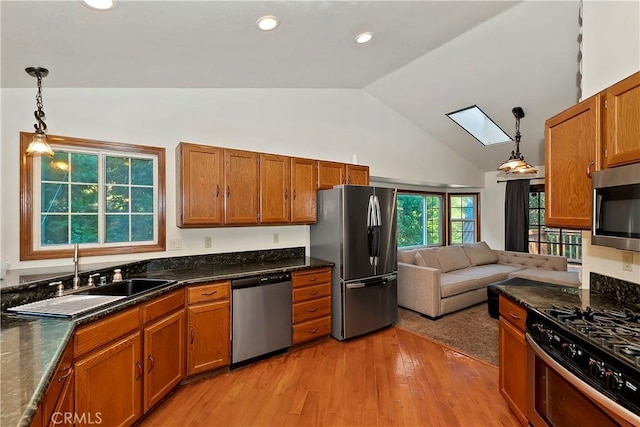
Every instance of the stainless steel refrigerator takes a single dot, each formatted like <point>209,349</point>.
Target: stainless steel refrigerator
<point>356,230</point>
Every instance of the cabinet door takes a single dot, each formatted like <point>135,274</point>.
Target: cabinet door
<point>59,396</point>
<point>275,183</point>
<point>164,357</point>
<point>304,178</point>
<point>572,139</point>
<point>109,384</point>
<point>62,415</point>
<point>199,185</point>
<point>622,134</point>
<point>357,175</point>
<point>330,174</point>
<point>241,187</point>
<point>208,346</point>
<point>513,369</point>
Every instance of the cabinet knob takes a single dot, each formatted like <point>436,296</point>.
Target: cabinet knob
<point>151,363</point>
<point>139,366</point>
<point>313,331</point>
<point>228,192</point>
<point>65,376</point>
<point>286,194</point>
<point>193,335</point>
<point>592,163</point>
<point>217,190</point>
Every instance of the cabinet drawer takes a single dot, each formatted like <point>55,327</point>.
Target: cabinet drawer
<point>101,332</point>
<point>311,277</point>
<point>513,313</point>
<point>311,292</point>
<point>208,292</point>
<point>162,305</point>
<point>308,310</point>
<point>311,330</point>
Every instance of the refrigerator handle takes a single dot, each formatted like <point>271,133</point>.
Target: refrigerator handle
<point>370,224</point>
<point>355,285</point>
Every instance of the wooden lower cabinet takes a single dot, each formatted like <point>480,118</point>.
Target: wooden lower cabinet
<point>164,357</point>
<point>108,384</point>
<point>311,304</point>
<point>513,358</point>
<point>208,342</point>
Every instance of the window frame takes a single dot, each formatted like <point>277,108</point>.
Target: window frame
<point>27,200</point>
<point>443,225</point>
<point>477,215</point>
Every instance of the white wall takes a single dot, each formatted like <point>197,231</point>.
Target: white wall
<point>611,52</point>
<point>318,123</point>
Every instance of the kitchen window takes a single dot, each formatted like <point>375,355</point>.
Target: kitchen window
<point>420,219</point>
<point>464,218</point>
<point>108,197</point>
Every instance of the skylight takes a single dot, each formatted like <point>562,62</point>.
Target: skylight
<point>479,125</point>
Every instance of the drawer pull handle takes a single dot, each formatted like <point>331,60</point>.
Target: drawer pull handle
<point>592,163</point>
<point>313,279</point>
<point>65,376</point>
<point>139,366</point>
<point>515,316</point>
<point>312,292</point>
<point>193,335</point>
<point>313,310</point>
<point>313,331</point>
<point>151,363</point>
<point>206,294</point>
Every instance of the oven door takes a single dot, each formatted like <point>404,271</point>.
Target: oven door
<point>556,397</point>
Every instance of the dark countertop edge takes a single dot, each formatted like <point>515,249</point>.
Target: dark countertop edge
<point>119,305</point>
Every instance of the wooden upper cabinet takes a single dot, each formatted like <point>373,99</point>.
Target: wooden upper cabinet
<point>199,185</point>
<point>304,178</point>
<point>330,174</point>
<point>622,121</point>
<point>572,141</point>
<point>357,174</point>
<point>275,189</point>
<point>241,187</point>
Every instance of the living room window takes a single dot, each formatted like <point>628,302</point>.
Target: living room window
<point>420,219</point>
<point>464,218</point>
<point>550,241</point>
<point>108,197</point>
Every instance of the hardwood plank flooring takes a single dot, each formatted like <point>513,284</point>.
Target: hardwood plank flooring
<point>388,378</point>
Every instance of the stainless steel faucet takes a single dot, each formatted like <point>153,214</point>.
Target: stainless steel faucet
<point>76,279</point>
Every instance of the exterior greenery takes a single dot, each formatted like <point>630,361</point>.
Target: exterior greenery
<point>78,205</point>
<point>462,211</point>
<point>419,219</point>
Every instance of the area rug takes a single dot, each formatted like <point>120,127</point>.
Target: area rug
<point>471,331</point>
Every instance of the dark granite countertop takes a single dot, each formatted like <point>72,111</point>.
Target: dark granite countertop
<point>31,346</point>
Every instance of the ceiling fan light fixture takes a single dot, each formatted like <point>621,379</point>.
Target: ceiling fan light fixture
<point>268,23</point>
<point>99,4</point>
<point>363,37</point>
<point>516,163</point>
<point>39,144</point>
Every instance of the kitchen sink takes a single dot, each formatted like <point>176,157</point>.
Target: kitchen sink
<point>128,287</point>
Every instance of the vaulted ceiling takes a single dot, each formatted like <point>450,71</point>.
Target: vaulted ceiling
<point>427,58</point>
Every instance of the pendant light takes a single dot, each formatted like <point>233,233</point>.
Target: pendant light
<point>39,143</point>
<point>515,163</point>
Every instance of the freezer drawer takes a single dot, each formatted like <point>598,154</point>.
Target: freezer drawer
<point>369,305</point>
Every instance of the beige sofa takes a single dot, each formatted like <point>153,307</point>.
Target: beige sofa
<point>441,280</point>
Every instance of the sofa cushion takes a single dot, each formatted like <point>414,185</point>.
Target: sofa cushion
<point>480,253</point>
<point>565,278</point>
<point>427,258</point>
<point>485,274</point>
<point>407,257</point>
<point>451,258</point>
<point>453,284</point>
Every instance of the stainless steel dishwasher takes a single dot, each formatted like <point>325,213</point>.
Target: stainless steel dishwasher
<point>261,317</point>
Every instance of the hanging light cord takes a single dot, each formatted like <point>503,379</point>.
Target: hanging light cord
<point>41,126</point>
<point>518,136</point>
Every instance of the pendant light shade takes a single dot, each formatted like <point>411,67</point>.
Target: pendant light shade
<point>516,164</point>
<point>39,144</point>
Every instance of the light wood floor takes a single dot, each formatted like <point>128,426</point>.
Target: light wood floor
<point>389,378</point>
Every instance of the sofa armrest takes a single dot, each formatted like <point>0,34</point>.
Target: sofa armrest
<point>419,289</point>
<point>526,260</point>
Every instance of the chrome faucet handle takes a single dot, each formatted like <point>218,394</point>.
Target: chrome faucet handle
<point>91,276</point>
<point>60,290</point>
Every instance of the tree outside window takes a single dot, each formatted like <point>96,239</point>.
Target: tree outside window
<point>419,219</point>
<point>463,218</point>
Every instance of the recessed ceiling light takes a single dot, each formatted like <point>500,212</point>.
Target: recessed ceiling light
<point>268,23</point>
<point>363,37</point>
<point>99,4</point>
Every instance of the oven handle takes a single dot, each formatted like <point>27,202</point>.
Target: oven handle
<point>589,391</point>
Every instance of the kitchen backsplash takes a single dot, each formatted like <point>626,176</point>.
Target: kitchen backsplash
<point>622,290</point>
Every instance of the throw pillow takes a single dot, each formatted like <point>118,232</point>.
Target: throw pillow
<point>452,258</point>
<point>480,253</point>
<point>430,258</point>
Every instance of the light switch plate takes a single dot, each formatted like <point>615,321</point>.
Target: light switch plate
<point>175,244</point>
<point>627,261</point>
<point>207,242</point>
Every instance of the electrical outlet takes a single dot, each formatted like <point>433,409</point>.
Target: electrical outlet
<point>175,244</point>
<point>276,238</point>
<point>207,241</point>
<point>627,261</point>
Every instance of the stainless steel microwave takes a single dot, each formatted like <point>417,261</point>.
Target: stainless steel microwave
<point>616,208</point>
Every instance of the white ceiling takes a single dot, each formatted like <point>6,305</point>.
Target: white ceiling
<point>427,57</point>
